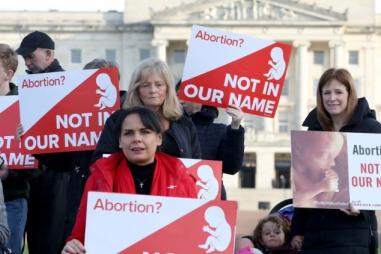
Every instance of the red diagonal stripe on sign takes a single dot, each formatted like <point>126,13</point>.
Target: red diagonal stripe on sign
<point>11,145</point>
<point>187,232</point>
<point>81,99</point>
<point>11,117</point>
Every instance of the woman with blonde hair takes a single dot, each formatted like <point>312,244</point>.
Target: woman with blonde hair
<point>332,230</point>
<point>152,86</point>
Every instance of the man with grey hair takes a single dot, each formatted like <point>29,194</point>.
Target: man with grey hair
<point>37,49</point>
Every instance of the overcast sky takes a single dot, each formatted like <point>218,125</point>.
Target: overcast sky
<point>79,5</point>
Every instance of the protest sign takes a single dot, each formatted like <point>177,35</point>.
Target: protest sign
<point>208,175</point>
<point>126,223</point>
<point>10,149</point>
<point>224,68</point>
<point>66,111</point>
<point>334,169</point>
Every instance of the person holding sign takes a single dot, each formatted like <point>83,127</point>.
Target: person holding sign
<point>219,141</point>
<point>152,85</point>
<point>330,230</point>
<point>48,206</point>
<point>137,168</point>
<point>16,184</point>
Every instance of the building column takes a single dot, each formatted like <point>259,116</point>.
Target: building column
<point>368,81</point>
<point>336,53</point>
<point>265,171</point>
<point>161,48</point>
<point>302,81</point>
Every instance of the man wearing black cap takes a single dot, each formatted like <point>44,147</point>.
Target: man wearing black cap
<point>48,202</point>
<point>37,49</point>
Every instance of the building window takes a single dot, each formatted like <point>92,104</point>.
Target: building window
<point>285,90</point>
<point>283,122</point>
<point>353,56</point>
<point>282,171</point>
<point>180,56</point>
<point>247,172</point>
<point>76,56</point>
<point>263,205</point>
<point>144,53</point>
<point>319,57</point>
<point>111,55</point>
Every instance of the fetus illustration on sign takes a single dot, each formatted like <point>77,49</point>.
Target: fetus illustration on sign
<point>106,90</point>
<point>277,63</point>
<point>208,183</point>
<point>218,229</point>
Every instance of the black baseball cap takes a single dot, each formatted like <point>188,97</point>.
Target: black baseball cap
<point>33,41</point>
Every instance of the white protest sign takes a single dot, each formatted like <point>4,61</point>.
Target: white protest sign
<point>224,68</point>
<point>126,223</point>
<point>333,169</point>
<point>66,111</point>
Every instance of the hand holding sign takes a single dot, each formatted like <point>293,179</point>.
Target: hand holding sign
<point>236,114</point>
<point>74,247</point>
<point>351,211</point>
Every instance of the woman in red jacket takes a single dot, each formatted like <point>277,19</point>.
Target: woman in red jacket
<point>138,168</point>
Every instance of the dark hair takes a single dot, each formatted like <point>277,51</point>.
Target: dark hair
<point>280,221</point>
<point>149,119</point>
<point>345,78</point>
<point>98,63</point>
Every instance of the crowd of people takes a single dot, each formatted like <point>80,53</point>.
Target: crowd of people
<point>137,150</point>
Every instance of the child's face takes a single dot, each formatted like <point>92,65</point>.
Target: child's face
<point>272,235</point>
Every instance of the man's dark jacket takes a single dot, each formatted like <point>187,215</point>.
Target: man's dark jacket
<point>219,141</point>
<point>55,195</point>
